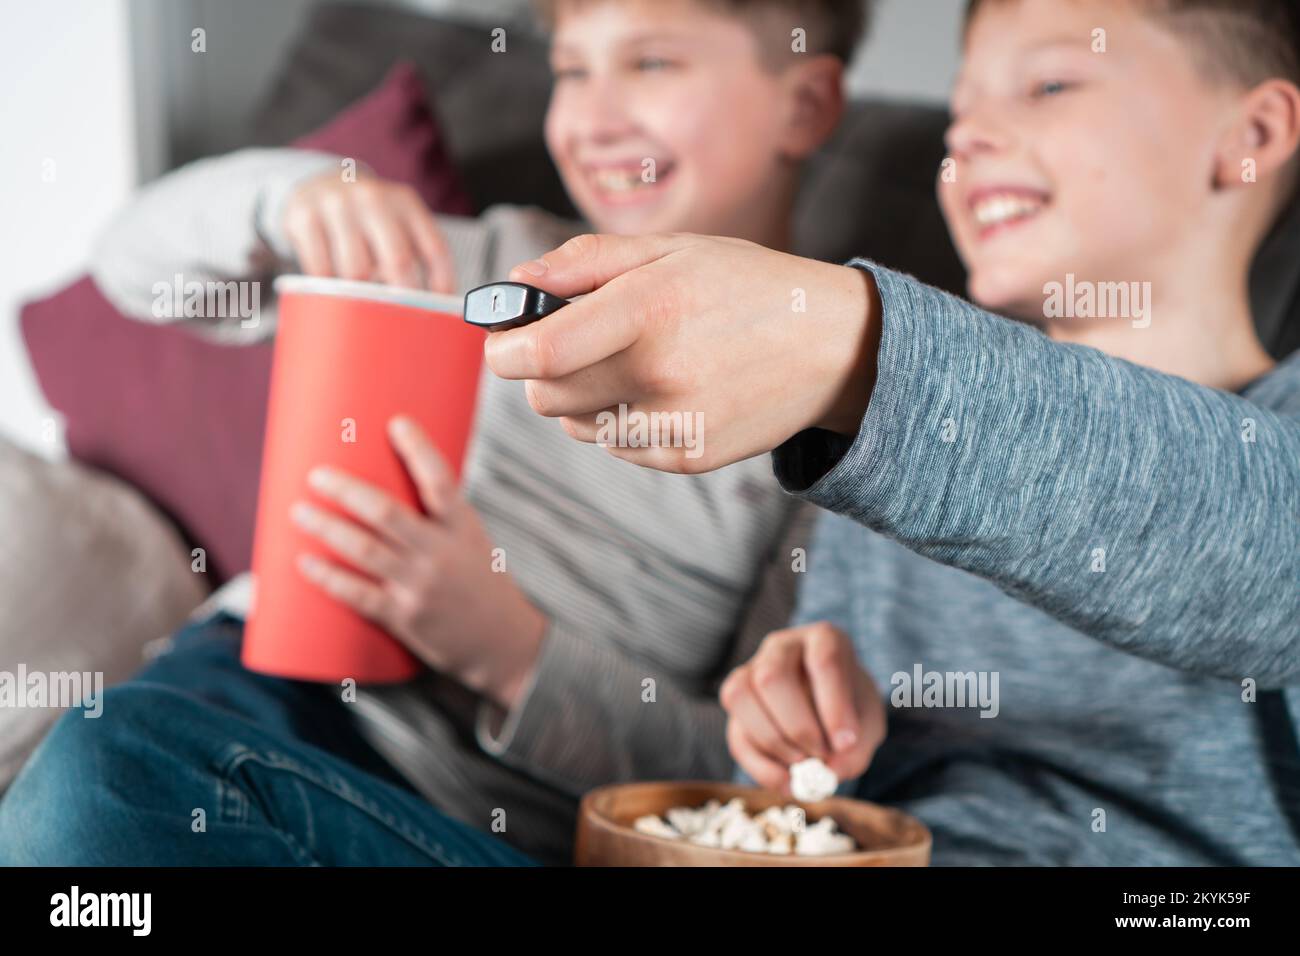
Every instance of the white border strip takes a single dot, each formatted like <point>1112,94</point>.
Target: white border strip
<point>372,291</point>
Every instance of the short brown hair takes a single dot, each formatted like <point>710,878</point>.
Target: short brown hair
<point>1246,41</point>
<point>832,26</point>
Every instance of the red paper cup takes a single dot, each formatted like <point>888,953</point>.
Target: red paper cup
<point>348,357</point>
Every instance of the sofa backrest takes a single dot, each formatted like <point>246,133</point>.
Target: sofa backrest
<point>869,192</point>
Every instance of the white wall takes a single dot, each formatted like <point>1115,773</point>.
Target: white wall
<point>69,160</point>
<point>913,50</point>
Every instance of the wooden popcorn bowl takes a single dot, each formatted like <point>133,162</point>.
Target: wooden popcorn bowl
<point>606,837</point>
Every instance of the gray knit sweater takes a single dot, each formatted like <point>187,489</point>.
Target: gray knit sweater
<point>1118,547</point>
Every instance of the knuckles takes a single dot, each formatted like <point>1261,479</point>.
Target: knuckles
<point>766,674</point>
<point>694,466</point>
<point>540,398</point>
<point>332,201</point>
<point>401,193</point>
<point>403,611</point>
<point>402,260</point>
<point>369,551</point>
<point>660,375</point>
<point>353,270</point>
<point>673,461</point>
<point>733,689</point>
<point>299,217</point>
<point>385,512</point>
<point>582,248</point>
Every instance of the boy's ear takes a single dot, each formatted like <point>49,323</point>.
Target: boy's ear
<point>1265,137</point>
<point>815,103</point>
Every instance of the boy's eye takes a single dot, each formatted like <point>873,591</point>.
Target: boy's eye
<point>650,64</point>
<point>1049,88</point>
<point>567,73</point>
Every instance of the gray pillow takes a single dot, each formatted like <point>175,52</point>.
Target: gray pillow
<point>490,106</point>
<point>90,572</point>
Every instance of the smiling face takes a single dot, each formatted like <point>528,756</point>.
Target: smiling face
<point>1068,160</point>
<point>664,118</point>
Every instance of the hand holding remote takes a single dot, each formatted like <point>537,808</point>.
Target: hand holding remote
<point>698,326</point>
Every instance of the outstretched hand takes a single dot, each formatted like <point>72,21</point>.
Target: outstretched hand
<point>753,344</point>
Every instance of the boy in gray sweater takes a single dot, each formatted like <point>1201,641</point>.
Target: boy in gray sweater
<point>1057,614</point>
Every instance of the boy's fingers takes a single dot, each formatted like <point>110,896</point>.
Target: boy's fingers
<point>359,547</point>
<point>310,244</point>
<point>854,761</point>
<point>587,262</point>
<point>828,661</point>
<point>428,469</point>
<point>373,506</point>
<point>582,393</point>
<point>394,248</point>
<point>743,706</point>
<point>348,248</point>
<point>767,773</point>
<point>365,597</point>
<point>576,337</point>
<point>602,324</point>
<point>657,457</point>
<point>779,684</point>
<point>439,267</point>
<point>595,429</point>
<point>585,428</point>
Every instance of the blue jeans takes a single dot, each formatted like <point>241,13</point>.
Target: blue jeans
<point>199,761</point>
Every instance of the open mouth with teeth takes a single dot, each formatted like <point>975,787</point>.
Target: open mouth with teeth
<point>622,184</point>
<point>995,211</point>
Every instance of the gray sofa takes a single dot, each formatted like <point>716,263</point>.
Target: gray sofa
<point>91,572</point>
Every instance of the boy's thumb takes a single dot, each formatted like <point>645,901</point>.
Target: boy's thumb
<point>587,262</point>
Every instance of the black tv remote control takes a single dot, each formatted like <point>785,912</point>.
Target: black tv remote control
<point>506,305</point>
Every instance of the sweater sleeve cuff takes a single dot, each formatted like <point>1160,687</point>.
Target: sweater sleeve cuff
<point>856,475</point>
<point>545,734</point>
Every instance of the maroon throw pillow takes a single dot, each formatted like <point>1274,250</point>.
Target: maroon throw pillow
<point>393,131</point>
<point>181,418</point>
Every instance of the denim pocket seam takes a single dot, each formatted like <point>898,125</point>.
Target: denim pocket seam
<point>238,754</point>
<point>234,803</point>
